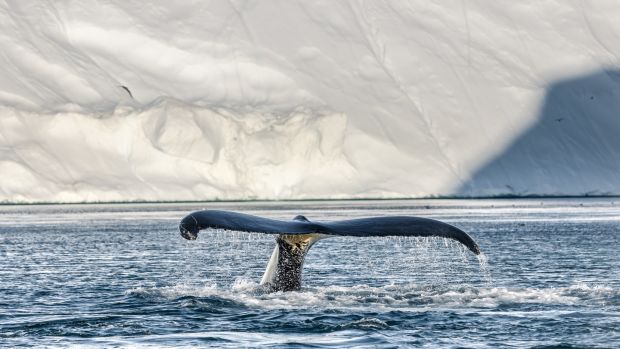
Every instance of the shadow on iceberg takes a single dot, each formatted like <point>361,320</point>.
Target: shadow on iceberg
<point>572,149</point>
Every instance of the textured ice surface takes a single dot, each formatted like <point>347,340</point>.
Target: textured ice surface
<point>120,100</point>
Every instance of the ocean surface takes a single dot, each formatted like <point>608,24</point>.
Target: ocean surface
<point>122,276</point>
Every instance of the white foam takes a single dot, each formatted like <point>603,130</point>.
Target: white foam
<point>409,297</point>
<point>228,339</point>
<point>175,291</point>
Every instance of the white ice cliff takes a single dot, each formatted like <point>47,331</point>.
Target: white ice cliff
<point>307,99</point>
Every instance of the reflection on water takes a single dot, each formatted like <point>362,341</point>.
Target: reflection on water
<point>120,275</point>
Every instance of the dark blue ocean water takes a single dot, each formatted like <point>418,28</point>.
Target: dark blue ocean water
<point>121,276</point>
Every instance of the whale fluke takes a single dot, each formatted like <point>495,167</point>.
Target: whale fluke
<point>295,237</point>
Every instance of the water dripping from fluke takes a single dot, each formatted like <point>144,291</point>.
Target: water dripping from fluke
<point>483,263</point>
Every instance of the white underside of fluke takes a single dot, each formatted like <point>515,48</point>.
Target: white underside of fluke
<point>271,267</point>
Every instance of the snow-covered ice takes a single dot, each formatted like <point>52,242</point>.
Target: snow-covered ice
<point>297,99</point>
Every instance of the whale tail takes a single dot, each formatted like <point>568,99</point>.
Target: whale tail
<point>294,238</point>
<point>283,272</point>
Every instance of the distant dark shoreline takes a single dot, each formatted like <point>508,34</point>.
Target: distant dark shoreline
<point>464,198</point>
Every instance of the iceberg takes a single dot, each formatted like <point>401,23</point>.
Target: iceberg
<point>122,101</point>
